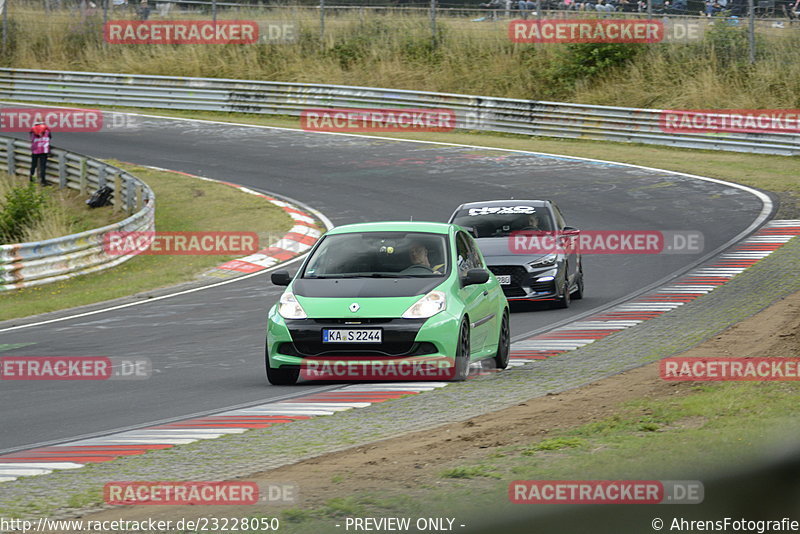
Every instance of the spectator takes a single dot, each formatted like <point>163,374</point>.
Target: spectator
<point>144,10</point>
<point>604,5</point>
<point>625,5</point>
<point>712,8</point>
<point>675,7</point>
<point>40,151</point>
<point>494,5</point>
<point>522,6</point>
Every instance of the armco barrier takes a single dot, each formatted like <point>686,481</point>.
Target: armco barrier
<point>43,262</point>
<point>528,117</point>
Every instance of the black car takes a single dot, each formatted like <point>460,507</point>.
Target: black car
<point>529,248</point>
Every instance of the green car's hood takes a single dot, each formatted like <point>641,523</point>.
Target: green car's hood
<point>368,307</point>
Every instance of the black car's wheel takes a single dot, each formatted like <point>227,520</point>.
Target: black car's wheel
<point>281,377</point>
<point>504,344</point>
<point>462,353</point>
<point>563,301</point>
<point>578,293</point>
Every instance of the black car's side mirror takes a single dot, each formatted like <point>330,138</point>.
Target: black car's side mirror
<point>281,278</point>
<point>476,276</point>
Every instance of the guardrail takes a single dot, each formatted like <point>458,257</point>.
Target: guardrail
<point>43,262</point>
<point>527,117</point>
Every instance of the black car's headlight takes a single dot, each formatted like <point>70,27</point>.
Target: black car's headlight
<point>544,261</point>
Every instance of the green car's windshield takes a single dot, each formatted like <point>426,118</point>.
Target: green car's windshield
<point>501,221</point>
<point>379,255</point>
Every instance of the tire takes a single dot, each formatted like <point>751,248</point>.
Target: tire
<point>280,376</point>
<point>503,344</point>
<point>578,293</point>
<point>563,302</point>
<point>462,353</point>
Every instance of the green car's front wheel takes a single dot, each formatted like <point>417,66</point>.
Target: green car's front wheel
<point>278,376</point>
<point>462,353</point>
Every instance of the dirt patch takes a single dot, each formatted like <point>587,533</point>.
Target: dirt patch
<point>416,459</point>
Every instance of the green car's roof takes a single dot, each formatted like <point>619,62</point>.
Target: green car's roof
<point>394,226</point>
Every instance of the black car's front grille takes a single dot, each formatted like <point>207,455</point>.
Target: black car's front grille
<point>417,349</point>
<point>519,277</point>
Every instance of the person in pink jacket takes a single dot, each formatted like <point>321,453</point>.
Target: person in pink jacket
<point>40,151</point>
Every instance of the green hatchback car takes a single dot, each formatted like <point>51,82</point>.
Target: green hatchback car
<point>371,294</point>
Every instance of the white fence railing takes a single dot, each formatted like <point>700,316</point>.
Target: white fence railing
<point>527,117</point>
<point>43,262</point>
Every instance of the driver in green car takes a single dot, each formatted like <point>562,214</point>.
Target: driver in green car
<point>419,256</point>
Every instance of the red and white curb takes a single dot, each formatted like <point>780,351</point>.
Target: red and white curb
<point>76,454</point>
<point>703,280</point>
<point>298,240</point>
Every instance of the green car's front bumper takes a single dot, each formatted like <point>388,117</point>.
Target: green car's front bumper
<point>295,342</point>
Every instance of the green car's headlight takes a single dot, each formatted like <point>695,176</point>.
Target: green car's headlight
<point>289,308</point>
<point>427,306</point>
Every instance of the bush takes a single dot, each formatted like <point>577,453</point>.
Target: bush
<point>22,207</point>
<point>584,61</point>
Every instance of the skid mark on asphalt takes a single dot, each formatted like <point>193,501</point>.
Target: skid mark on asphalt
<point>566,338</point>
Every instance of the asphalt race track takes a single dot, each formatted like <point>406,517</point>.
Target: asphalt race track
<point>207,346</point>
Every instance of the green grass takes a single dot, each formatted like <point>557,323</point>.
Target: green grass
<point>65,211</point>
<point>698,434</point>
<point>394,49</point>
<point>182,204</point>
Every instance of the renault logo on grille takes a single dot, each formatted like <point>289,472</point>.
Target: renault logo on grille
<point>354,307</point>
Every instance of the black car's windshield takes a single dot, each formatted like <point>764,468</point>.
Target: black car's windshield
<point>379,255</point>
<point>501,221</point>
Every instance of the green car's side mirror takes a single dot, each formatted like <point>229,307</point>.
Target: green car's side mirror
<point>476,276</point>
<point>281,278</point>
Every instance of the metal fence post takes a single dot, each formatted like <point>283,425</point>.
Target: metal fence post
<point>130,195</point>
<point>101,177</point>
<point>62,170</point>
<point>118,201</point>
<point>751,30</point>
<point>322,23</point>
<point>649,9</point>
<point>83,182</point>
<point>5,23</point>
<point>433,23</point>
<point>11,155</point>
<point>214,11</point>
